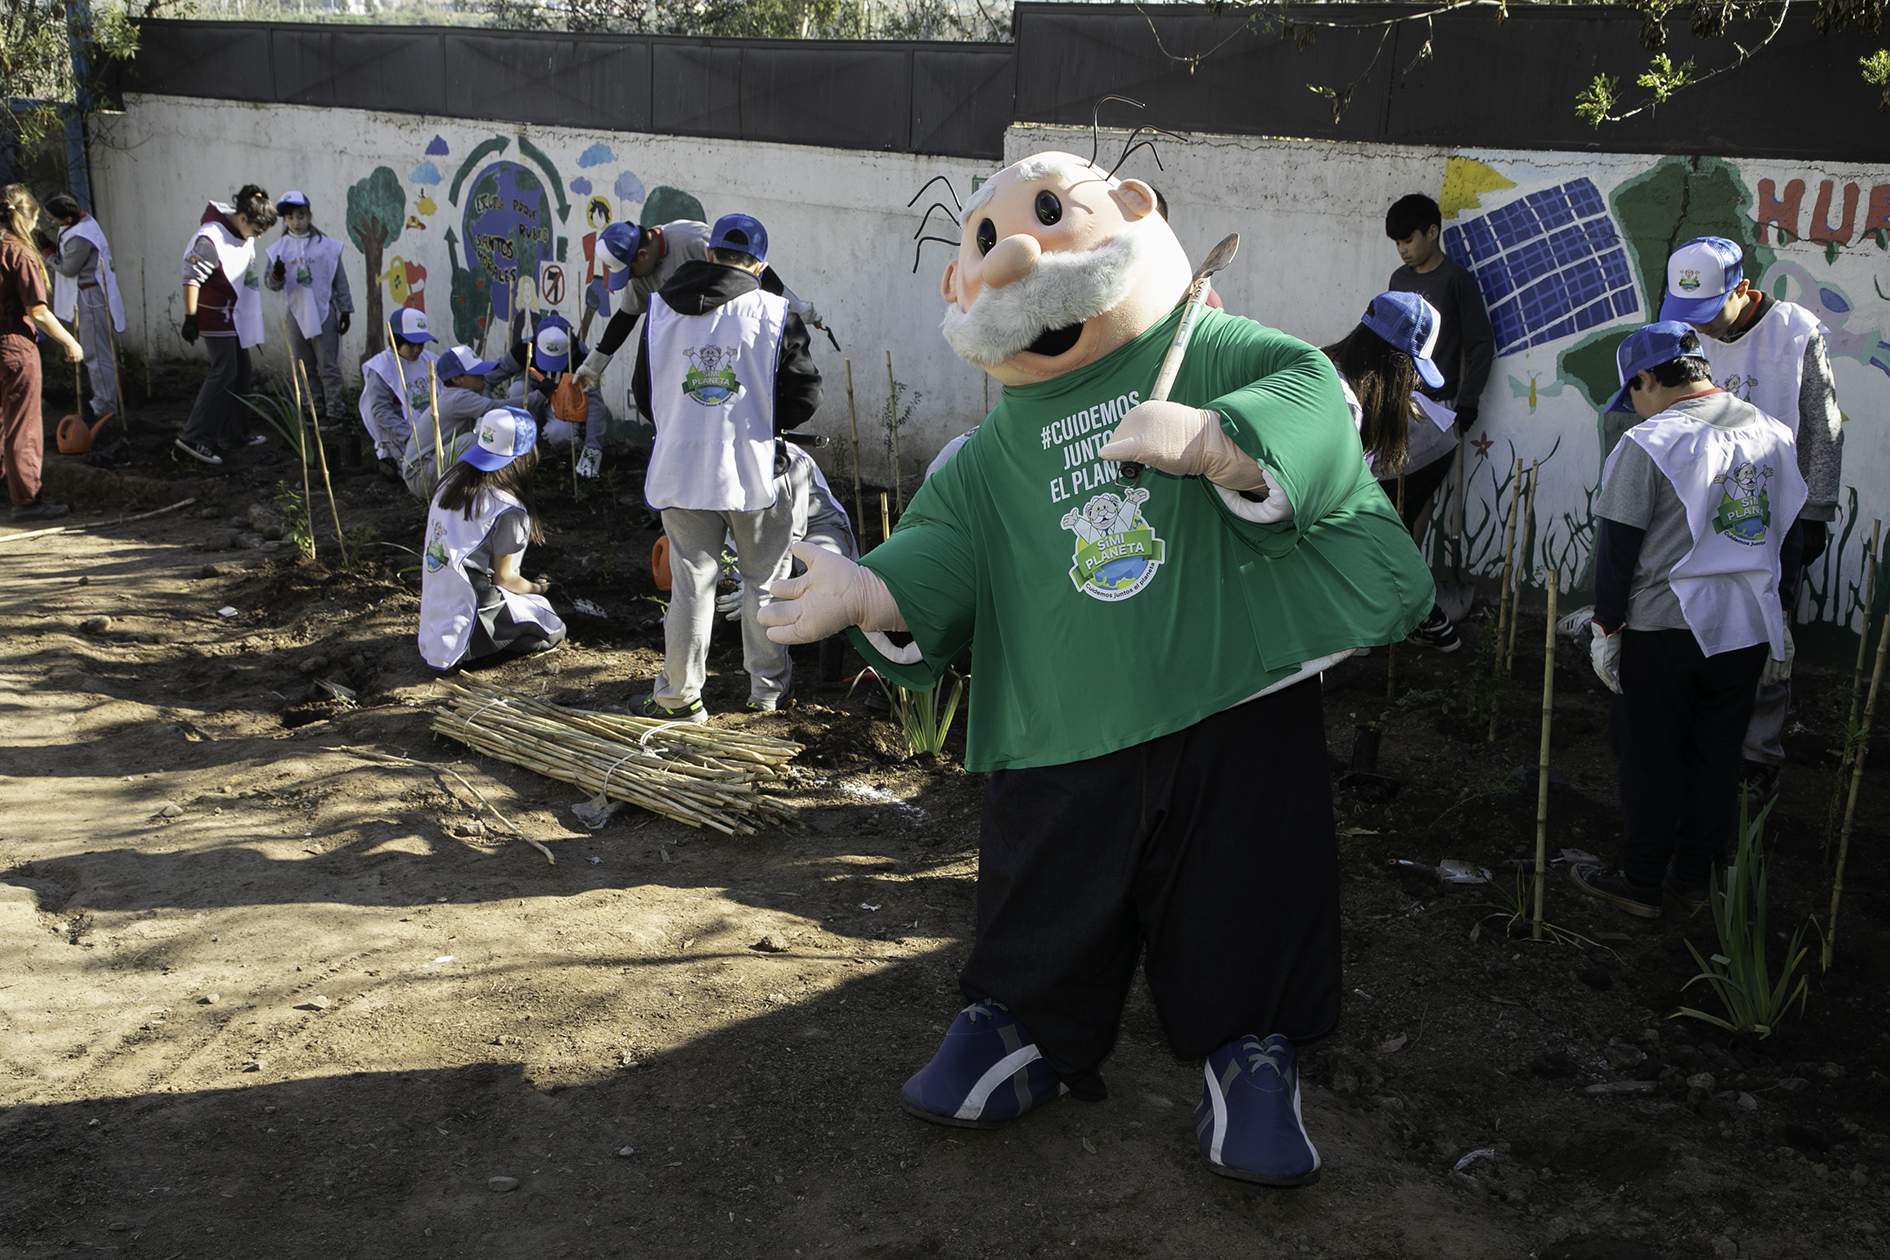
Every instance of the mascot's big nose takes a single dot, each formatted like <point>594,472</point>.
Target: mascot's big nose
<point>1010,260</point>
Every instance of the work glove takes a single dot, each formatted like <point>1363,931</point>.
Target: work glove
<point>1777,671</point>
<point>1817,536</point>
<point>1466,417</point>
<point>1185,441</point>
<point>730,605</point>
<point>342,324</point>
<point>589,462</point>
<point>190,329</point>
<point>1604,653</point>
<point>833,594</point>
<point>280,270</point>
<point>592,371</point>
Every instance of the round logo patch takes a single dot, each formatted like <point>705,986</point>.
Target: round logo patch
<point>1117,553</point>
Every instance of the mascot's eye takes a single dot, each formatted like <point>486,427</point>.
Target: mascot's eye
<point>987,236</point>
<point>1049,209</point>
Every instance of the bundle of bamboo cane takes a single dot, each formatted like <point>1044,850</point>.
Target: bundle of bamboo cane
<point>699,775</point>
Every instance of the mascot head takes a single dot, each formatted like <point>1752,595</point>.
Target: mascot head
<point>1060,265</point>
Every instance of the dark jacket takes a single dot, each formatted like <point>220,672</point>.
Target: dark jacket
<point>700,287</point>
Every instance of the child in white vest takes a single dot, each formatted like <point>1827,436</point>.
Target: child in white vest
<point>395,396</point>
<point>85,292</point>
<point>475,604</point>
<point>1693,513</point>
<point>305,267</point>
<point>1771,354</point>
<point>463,403</point>
<point>223,306</point>
<point>723,367</point>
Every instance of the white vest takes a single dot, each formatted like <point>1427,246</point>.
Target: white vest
<point>238,259</point>
<point>449,606</point>
<point>712,394</point>
<point>1742,491</point>
<point>308,282</point>
<point>66,288</point>
<point>416,398</point>
<point>1767,365</point>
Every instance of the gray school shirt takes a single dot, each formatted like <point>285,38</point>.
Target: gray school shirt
<point>1636,493</point>
<point>509,535</point>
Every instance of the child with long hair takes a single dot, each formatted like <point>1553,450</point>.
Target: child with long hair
<point>475,605</point>
<point>305,267</point>
<point>1383,363</point>
<point>223,306</point>
<point>23,309</point>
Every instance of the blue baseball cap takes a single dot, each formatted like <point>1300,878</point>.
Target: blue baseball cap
<point>551,344</point>
<point>505,433</point>
<point>293,199</point>
<point>1410,324</point>
<point>617,244</point>
<point>463,361</point>
<point>1649,347</point>
<point>1699,276</point>
<point>410,325</point>
<point>742,233</point>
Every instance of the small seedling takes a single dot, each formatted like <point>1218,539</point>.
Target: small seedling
<point>924,717</point>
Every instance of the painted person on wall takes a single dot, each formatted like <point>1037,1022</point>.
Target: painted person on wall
<point>85,292</point>
<point>1147,649</point>
<point>723,369</point>
<point>657,255</point>
<point>223,305</point>
<point>1464,350</point>
<point>536,373</point>
<point>305,267</point>
<point>1693,536</point>
<point>1771,354</point>
<point>23,317</point>
<point>475,604</point>
<point>396,397</point>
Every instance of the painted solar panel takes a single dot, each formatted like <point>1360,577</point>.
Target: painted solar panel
<point>1549,264</point>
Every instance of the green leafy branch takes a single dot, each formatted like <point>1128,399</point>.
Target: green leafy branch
<point>1877,74</point>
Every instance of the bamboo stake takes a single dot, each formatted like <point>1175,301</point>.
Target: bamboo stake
<point>111,342</point>
<point>438,768</point>
<point>1391,649</point>
<point>321,450</point>
<point>853,421</point>
<point>301,444</point>
<point>1503,611</point>
<point>892,404</point>
<point>433,403</point>
<point>1528,534</point>
<point>73,529</point>
<point>78,397</point>
<point>1863,638</point>
<point>885,518</point>
<point>144,313</point>
<point>1850,806</point>
<point>400,370</point>
<point>1542,761</point>
<point>485,325</point>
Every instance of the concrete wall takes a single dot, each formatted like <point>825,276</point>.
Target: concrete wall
<point>1310,216</point>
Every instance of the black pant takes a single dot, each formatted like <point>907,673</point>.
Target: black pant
<point>1677,727</point>
<point>216,418</point>
<point>1419,485</point>
<point>1211,848</point>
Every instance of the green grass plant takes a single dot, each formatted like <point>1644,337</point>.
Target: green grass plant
<point>1740,974</point>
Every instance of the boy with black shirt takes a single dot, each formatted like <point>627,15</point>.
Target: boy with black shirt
<point>1464,351</point>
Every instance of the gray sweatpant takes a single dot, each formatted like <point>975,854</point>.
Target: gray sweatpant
<point>321,359</point>
<point>95,322</point>
<point>1765,729</point>
<point>762,539</point>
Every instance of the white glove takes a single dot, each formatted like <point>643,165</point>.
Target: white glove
<point>1777,671</point>
<point>1604,653</point>
<point>1185,441</point>
<point>592,370</point>
<point>589,462</point>
<point>833,594</point>
<point>730,605</point>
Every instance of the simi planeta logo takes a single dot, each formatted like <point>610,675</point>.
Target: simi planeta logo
<point>1117,553</point>
<point>1688,281</point>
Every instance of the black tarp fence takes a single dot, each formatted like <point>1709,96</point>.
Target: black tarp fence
<point>1484,82</point>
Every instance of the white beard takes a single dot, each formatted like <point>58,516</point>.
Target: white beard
<point>1062,289</point>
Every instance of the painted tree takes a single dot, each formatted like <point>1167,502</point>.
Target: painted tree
<point>377,210</point>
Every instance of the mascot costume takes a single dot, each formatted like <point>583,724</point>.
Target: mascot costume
<point>1146,643</point>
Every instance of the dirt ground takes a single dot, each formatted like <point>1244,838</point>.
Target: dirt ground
<point>260,996</point>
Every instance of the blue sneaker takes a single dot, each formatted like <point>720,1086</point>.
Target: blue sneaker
<point>1248,1120</point>
<point>987,1072</point>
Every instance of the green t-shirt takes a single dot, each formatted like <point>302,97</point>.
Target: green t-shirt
<point>1105,614</point>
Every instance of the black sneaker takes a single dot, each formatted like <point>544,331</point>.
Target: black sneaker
<point>40,511</point>
<point>1759,782</point>
<point>199,450</point>
<point>1435,633</point>
<point>647,707</point>
<point>1614,887</point>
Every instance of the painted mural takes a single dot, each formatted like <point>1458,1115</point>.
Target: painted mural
<point>1570,266</point>
<point>500,216</point>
